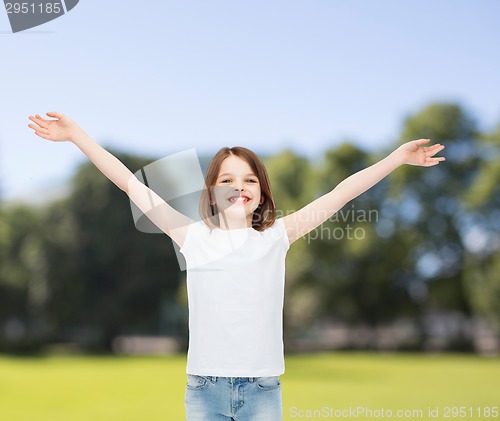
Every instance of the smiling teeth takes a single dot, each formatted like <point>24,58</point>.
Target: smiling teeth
<point>239,199</point>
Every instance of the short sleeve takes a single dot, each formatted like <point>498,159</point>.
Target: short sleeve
<point>192,232</point>
<point>281,229</point>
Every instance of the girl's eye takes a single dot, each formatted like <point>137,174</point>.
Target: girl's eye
<point>249,180</point>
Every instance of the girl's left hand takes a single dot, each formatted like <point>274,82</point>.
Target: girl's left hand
<point>413,153</point>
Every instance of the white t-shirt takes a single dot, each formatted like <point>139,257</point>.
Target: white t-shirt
<point>235,285</point>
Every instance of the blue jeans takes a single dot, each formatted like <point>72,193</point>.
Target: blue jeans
<point>210,398</point>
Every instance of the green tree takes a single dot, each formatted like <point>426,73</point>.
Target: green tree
<point>482,233</point>
<point>352,264</point>
<point>429,207</point>
<point>106,277</point>
<point>23,288</point>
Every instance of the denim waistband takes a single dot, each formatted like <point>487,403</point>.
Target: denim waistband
<point>231,380</point>
<point>214,379</point>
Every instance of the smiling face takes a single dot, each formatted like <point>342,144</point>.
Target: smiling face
<point>222,206</point>
<point>237,192</point>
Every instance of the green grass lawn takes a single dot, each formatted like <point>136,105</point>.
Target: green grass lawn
<point>314,387</point>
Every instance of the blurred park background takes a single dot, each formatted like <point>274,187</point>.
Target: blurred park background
<point>394,302</point>
<point>412,264</point>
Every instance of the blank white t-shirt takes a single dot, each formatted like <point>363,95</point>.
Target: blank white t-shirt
<point>235,286</point>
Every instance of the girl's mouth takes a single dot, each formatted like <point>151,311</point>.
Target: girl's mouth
<point>238,199</point>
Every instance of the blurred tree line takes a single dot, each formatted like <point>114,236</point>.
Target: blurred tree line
<point>422,243</point>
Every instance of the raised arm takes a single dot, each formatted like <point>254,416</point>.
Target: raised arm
<point>315,213</point>
<point>165,217</point>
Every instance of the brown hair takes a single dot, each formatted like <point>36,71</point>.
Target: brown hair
<point>265,215</point>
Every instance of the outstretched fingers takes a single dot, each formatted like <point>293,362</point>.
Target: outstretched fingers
<point>39,121</point>
<point>38,129</point>
<point>39,126</point>
<point>433,150</point>
<point>54,114</point>
<point>429,162</point>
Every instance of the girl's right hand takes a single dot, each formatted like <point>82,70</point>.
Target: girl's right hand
<point>59,130</point>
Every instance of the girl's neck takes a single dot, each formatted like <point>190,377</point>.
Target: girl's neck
<point>231,224</point>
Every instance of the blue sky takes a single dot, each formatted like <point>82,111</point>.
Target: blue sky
<point>159,77</point>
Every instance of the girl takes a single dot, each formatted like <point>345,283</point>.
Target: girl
<point>235,259</point>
